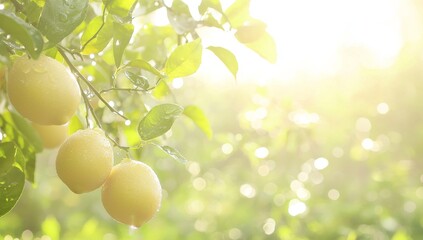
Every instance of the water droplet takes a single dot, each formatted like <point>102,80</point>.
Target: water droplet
<point>63,17</point>
<point>132,229</point>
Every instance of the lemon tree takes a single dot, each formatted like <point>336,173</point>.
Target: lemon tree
<point>106,65</point>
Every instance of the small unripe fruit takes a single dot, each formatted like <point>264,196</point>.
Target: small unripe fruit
<point>132,193</point>
<point>85,160</point>
<point>51,135</point>
<point>43,91</point>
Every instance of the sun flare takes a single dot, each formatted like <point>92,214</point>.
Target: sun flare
<point>320,37</point>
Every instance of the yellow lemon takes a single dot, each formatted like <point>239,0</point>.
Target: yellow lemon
<point>85,160</point>
<point>43,91</point>
<point>132,193</point>
<point>51,135</point>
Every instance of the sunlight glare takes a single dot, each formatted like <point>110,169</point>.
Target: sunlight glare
<point>320,37</point>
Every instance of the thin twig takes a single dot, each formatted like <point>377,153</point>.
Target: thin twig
<point>86,100</point>
<point>123,89</point>
<point>72,52</point>
<point>90,86</point>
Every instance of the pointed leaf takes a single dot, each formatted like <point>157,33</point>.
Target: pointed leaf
<point>199,118</point>
<point>27,158</point>
<point>238,12</point>
<point>161,90</point>
<point>265,47</point>
<point>205,4</point>
<point>25,33</point>
<point>122,33</point>
<point>96,42</point>
<point>120,8</point>
<point>7,156</point>
<point>173,153</point>
<point>158,120</point>
<point>27,130</point>
<point>137,80</point>
<point>60,17</point>
<point>184,60</point>
<point>139,63</point>
<point>180,17</point>
<point>227,57</point>
<point>11,186</point>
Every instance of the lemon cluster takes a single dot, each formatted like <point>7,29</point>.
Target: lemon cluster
<point>43,91</point>
<point>131,191</point>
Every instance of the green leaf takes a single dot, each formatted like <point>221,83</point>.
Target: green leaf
<point>122,33</point>
<point>210,21</point>
<point>227,57</point>
<point>27,130</point>
<point>32,11</point>
<point>158,120</point>
<point>11,187</point>
<point>137,80</point>
<point>25,33</point>
<point>173,153</point>
<point>265,47</point>
<point>148,6</point>
<point>75,124</point>
<point>98,38</point>
<point>27,160</point>
<point>161,90</point>
<point>7,156</point>
<point>60,17</point>
<point>238,12</point>
<point>139,63</point>
<point>4,53</point>
<point>205,4</point>
<point>199,118</point>
<point>180,17</point>
<point>120,8</point>
<point>184,60</point>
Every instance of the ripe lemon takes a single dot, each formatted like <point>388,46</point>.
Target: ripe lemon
<point>43,91</point>
<point>132,193</point>
<point>51,135</point>
<point>85,160</point>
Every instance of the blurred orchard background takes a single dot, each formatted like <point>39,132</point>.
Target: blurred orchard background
<point>327,143</point>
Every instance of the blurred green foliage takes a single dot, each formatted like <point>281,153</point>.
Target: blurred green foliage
<point>336,157</point>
